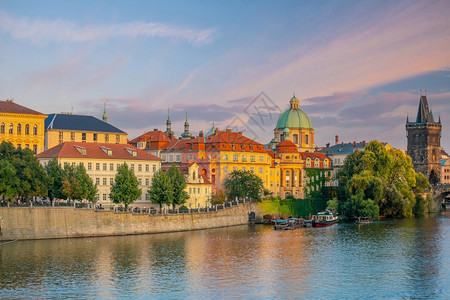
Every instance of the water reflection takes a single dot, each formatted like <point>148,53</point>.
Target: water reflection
<point>391,259</point>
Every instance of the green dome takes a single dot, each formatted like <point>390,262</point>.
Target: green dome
<point>294,118</point>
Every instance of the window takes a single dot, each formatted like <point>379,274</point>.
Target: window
<point>171,158</point>
<point>225,169</point>
<point>35,149</point>
<point>163,157</point>
<point>111,181</point>
<point>19,146</point>
<point>89,166</point>
<point>154,168</point>
<point>147,168</point>
<point>252,169</point>
<point>261,158</point>
<point>95,137</point>
<point>117,138</point>
<point>83,136</point>
<point>104,181</point>
<point>261,170</point>
<point>104,197</point>
<point>27,146</point>
<point>61,135</point>
<point>190,190</point>
<point>244,169</point>
<point>106,138</point>
<point>97,166</point>
<point>11,129</point>
<point>97,181</point>
<point>235,157</point>
<point>2,128</point>
<point>132,167</point>
<point>147,181</point>
<point>306,139</point>
<point>252,158</point>
<point>139,168</point>
<point>72,136</point>
<point>19,128</point>
<point>295,139</point>
<point>225,157</point>
<point>244,158</point>
<point>35,129</point>
<point>111,167</point>
<point>235,168</point>
<point>316,163</point>
<point>104,166</point>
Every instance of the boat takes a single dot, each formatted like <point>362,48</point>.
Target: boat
<point>324,218</point>
<point>364,220</point>
<point>280,224</point>
<point>288,224</point>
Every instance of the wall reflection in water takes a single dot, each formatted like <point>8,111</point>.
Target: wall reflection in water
<point>391,258</point>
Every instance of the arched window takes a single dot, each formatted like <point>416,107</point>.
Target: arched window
<point>306,139</point>
<point>11,128</point>
<point>316,163</point>
<point>35,131</point>
<point>27,129</point>
<point>295,138</point>
<point>2,128</point>
<point>19,128</point>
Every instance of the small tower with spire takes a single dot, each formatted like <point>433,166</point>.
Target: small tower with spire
<point>186,134</point>
<point>169,124</point>
<point>105,116</point>
<point>424,141</point>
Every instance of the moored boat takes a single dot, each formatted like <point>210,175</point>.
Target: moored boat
<point>364,220</point>
<point>280,224</point>
<point>324,218</point>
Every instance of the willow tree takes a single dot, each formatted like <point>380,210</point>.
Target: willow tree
<point>378,181</point>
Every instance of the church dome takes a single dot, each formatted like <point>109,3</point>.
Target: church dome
<point>294,117</point>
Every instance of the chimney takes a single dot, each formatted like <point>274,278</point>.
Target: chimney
<point>354,143</point>
<point>216,131</point>
<point>200,134</point>
<point>364,143</point>
<point>337,139</point>
<point>155,129</point>
<point>228,130</point>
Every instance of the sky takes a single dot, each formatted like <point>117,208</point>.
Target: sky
<point>357,67</point>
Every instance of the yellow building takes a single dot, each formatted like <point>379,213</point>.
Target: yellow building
<point>101,162</point>
<point>60,128</point>
<point>296,124</point>
<point>21,126</point>
<point>198,187</point>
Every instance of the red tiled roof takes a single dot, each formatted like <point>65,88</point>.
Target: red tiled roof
<point>96,151</point>
<point>11,107</point>
<point>287,146</point>
<point>313,155</point>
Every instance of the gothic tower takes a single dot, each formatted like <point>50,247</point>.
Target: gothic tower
<point>424,142</point>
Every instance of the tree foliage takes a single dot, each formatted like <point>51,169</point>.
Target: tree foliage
<point>244,184</point>
<point>178,185</point>
<point>219,197</point>
<point>161,191</point>
<point>125,188</point>
<point>76,184</point>
<point>378,181</point>
<point>55,175</point>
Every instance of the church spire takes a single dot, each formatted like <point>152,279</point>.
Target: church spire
<point>105,116</point>
<point>169,124</point>
<point>186,134</point>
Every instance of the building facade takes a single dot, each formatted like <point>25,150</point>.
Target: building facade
<point>21,126</point>
<point>101,161</point>
<point>424,142</point>
<point>60,128</point>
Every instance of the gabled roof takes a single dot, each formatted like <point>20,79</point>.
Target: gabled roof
<point>79,123</point>
<point>152,136</point>
<point>313,155</point>
<point>9,106</point>
<point>96,151</point>
<point>287,146</point>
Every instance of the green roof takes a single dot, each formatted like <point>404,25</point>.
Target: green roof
<point>294,118</point>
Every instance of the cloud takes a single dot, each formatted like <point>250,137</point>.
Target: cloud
<point>39,31</point>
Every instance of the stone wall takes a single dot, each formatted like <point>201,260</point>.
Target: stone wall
<point>62,222</point>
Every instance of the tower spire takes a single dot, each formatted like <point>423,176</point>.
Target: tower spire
<point>169,124</point>
<point>186,134</point>
<point>105,116</point>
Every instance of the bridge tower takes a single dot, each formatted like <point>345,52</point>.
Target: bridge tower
<point>424,142</point>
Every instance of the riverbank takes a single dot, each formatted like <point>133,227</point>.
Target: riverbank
<point>23,223</point>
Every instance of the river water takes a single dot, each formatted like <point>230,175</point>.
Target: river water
<point>407,258</point>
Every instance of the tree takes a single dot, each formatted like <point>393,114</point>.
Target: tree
<point>9,183</point>
<point>178,186</point>
<point>55,175</point>
<point>161,189</point>
<point>87,190</point>
<point>219,197</point>
<point>76,184</point>
<point>125,188</point>
<point>244,184</point>
<point>378,181</point>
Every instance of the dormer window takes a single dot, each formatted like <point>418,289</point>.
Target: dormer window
<point>82,150</point>
<point>132,152</point>
<point>108,151</point>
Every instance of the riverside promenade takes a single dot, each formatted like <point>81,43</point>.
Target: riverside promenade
<point>30,223</point>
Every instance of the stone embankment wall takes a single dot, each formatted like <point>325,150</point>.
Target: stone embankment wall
<point>58,222</point>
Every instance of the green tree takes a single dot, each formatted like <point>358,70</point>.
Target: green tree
<point>161,189</point>
<point>55,175</point>
<point>377,178</point>
<point>244,184</point>
<point>9,183</point>
<point>125,188</point>
<point>219,197</point>
<point>178,186</point>
<point>87,189</point>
